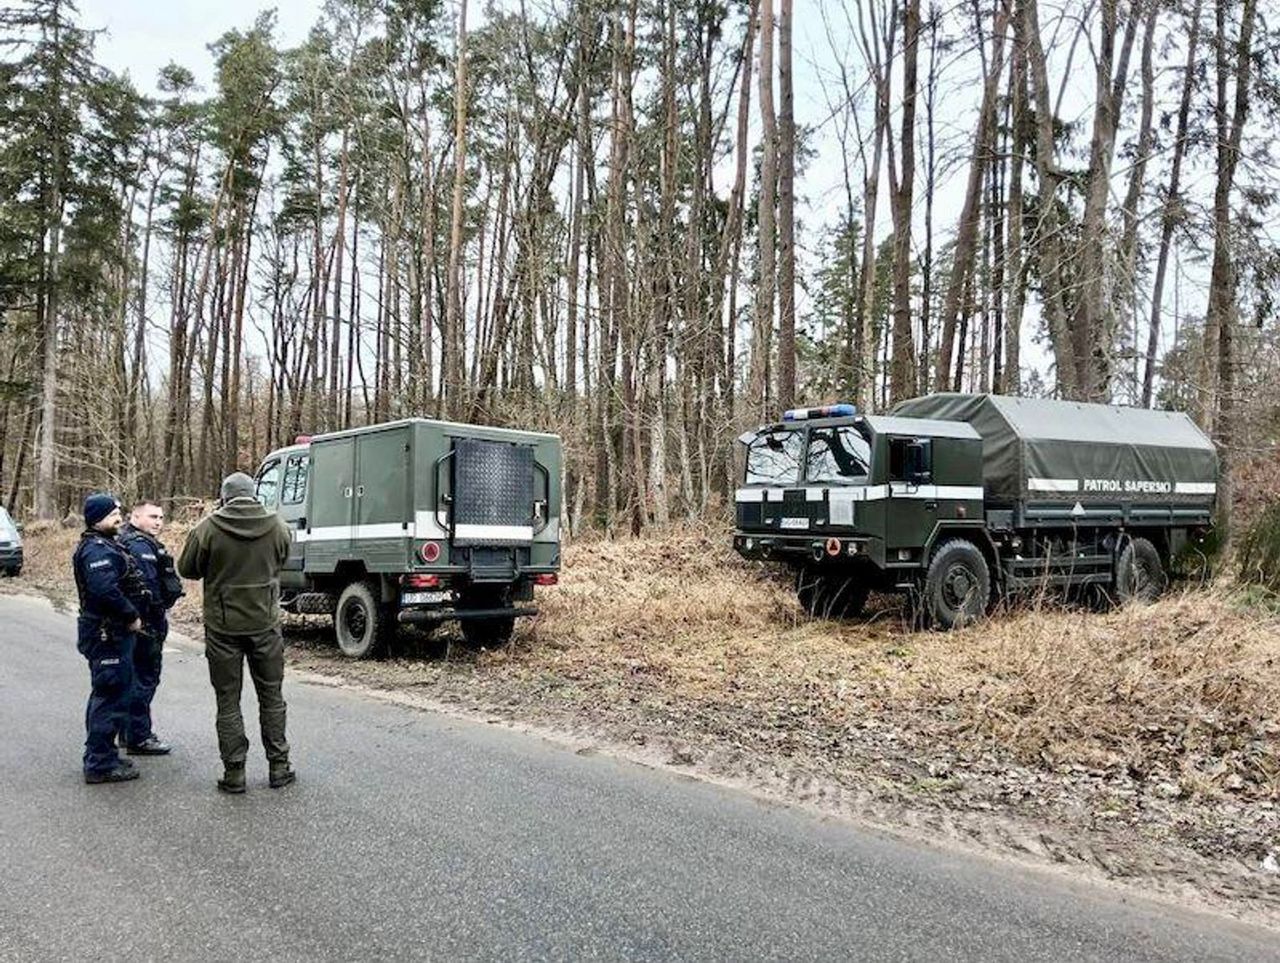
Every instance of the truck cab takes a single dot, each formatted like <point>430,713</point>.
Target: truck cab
<point>855,503</point>
<point>416,521</point>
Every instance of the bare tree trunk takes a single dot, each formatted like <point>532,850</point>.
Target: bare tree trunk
<point>786,215</point>
<point>1049,244</point>
<point>1133,194</point>
<point>1219,372</point>
<point>864,346</point>
<point>1172,206</point>
<point>902,377</point>
<point>762,329</point>
<point>962,264</point>
<point>1091,327</point>
<point>1015,279</point>
<point>450,365</point>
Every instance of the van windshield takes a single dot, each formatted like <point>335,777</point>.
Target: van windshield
<point>838,456</point>
<point>773,458</point>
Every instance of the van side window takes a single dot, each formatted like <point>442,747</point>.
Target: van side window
<point>294,490</point>
<point>269,485</point>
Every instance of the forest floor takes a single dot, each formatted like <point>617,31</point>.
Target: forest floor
<point>1141,745</point>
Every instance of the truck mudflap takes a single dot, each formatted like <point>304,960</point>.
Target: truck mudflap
<point>433,616</point>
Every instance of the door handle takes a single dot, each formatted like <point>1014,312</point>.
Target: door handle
<point>931,506</point>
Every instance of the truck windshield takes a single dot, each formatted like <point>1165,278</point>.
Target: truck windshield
<point>838,455</point>
<point>8,530</point>
<point>773,458</point>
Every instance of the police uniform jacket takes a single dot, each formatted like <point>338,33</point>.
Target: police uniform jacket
<point>156,567</point>
<point>109,603</point>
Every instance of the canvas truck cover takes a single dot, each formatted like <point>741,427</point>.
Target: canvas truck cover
<point>1039,449</point>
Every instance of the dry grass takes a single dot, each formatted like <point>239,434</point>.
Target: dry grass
<point>1187,690</point>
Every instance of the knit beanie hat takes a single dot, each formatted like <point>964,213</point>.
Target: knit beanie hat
<point>98,506</point>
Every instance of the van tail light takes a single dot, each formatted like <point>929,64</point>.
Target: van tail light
<point>429,552</point>
<point>421,581</point>
<point>547,578</point>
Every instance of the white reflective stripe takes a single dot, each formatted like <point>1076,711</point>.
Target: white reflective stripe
<point>383,530</point>
<point>515,533</point>
<point>1053,484</point>
<point>1195,488</point>
<point>867,493</point>
<point>776,494</point>
<point>934,492</point>
<point>328,533</point>
<point>749,495</point>
<point>813,494</point>
<point>426,525</point>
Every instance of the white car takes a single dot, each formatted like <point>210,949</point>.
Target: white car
<point>10,545</point>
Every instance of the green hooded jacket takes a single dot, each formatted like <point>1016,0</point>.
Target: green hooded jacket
<point>238,551</point>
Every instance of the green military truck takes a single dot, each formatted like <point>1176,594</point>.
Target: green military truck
<point>954,498</point>
<point>417,521</point>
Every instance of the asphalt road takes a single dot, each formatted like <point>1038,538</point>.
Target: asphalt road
<point>416,835</point>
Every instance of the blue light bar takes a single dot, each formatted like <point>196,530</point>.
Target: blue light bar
<point>841,410</point>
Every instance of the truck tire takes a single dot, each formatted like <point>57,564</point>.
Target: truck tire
<point>362,623</point>
<point>1140,575</point>
<point>957,586</point>
<point>828,596</point>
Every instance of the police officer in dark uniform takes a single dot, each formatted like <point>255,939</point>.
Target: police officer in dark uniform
<point>140,537</point>
<point>111,600</point>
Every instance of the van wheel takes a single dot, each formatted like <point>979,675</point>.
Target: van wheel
<point>957,586</point>
<point>1140,575</point>
<point>831,596</point>
<point>362,623</point>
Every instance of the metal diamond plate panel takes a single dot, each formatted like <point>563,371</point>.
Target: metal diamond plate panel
<point>493,492</point>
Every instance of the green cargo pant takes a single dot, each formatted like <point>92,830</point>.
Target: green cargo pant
<point>227,655</point>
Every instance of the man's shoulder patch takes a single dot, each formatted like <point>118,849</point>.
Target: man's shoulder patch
<point>100,563</point>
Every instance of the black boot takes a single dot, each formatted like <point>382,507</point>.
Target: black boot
<point>118,774</point>
<point>232,780</point>
<point>281,775</point>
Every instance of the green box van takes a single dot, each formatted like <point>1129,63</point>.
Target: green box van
<point>417,521</point>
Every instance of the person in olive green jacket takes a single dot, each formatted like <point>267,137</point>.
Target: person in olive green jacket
<point>238,551</point>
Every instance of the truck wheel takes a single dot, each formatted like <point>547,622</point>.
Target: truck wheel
<point>361,622</point>
<point>1140,575</point>
<point>957,586</point>
<point>487,633</point>
<point>831,596</point>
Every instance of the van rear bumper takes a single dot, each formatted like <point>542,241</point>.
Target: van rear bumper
<point>435,616</point>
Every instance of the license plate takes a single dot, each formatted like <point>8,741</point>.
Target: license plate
<point>425,598</point>
<point>794,523</point>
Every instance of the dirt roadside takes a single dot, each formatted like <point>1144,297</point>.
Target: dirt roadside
<point>1140,746</point>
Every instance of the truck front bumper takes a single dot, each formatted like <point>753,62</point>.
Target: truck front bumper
<point>765,547</point>
<point>10,559</point>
